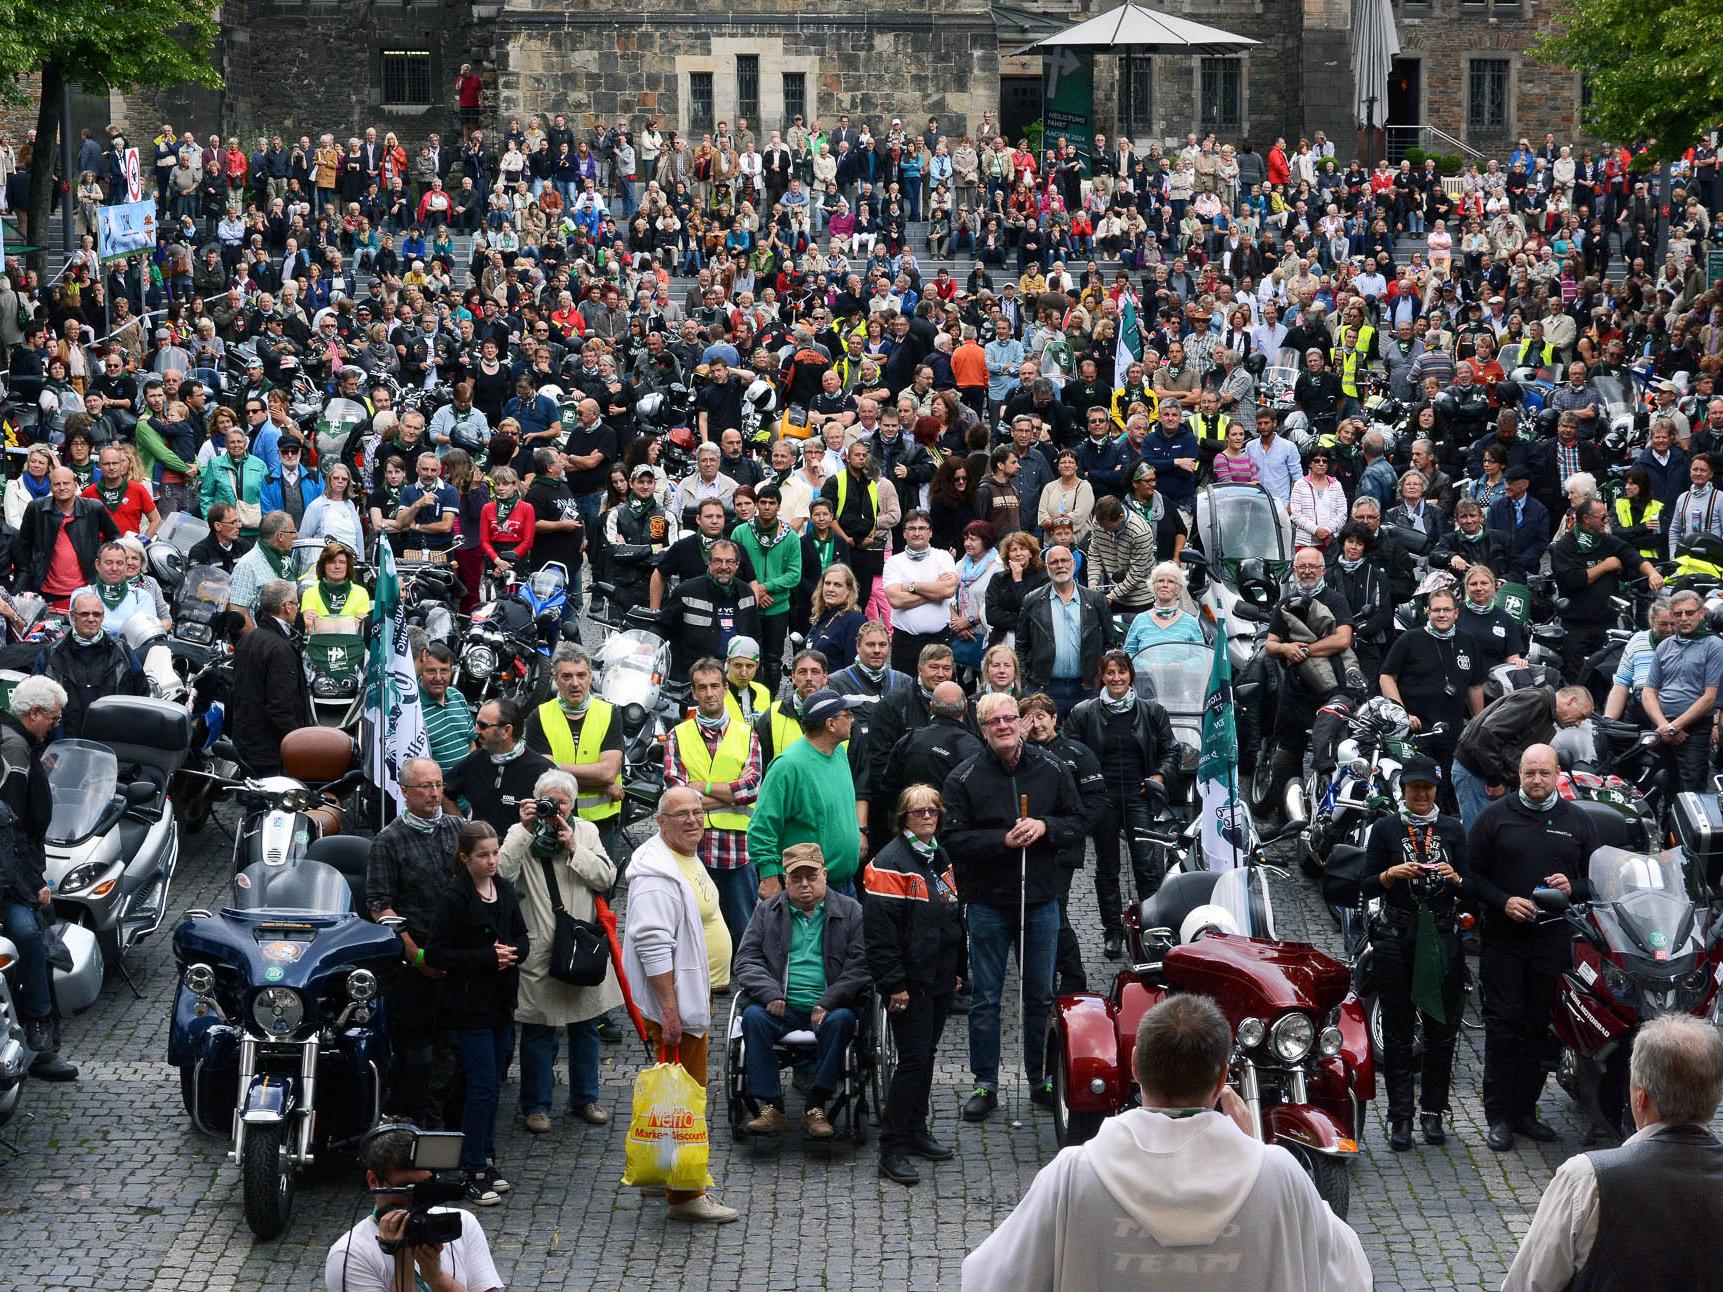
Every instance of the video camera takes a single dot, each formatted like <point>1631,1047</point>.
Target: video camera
<point>432,1151</point>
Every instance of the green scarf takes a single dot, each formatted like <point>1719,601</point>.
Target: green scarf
<point>504,507</point>
<point>1429,958</point>
<point>112,596</point>
<point>334,594</point>
<point>1537,806</point>
<point>112,499</point>
<point>1122,705</point>
<point>825,547</point>
<point>277,559</point>
<point>1587,541</point>
<point>925,851</point>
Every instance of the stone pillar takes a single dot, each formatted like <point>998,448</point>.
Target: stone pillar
<point>1325,70</point>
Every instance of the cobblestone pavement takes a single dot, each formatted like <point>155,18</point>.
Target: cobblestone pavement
<point>114,1191</point>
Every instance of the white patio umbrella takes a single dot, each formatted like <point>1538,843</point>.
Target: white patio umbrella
<point>1374,44</point>
<point>1133,25</point>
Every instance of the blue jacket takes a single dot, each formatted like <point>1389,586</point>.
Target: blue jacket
<point>1379,482</point>
<point>1530,537</point>
<point>269,496</point>
<point>1668,483</point>
<point>1177,485</point>
<point>1105,464</point>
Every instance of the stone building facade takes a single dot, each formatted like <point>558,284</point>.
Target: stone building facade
<point>304,66</point>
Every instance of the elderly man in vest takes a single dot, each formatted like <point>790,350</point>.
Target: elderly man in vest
<point>582,735</point>
<point>1647,1214</point>
<point>717,754</point>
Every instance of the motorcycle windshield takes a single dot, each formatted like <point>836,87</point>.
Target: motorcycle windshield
<point>547,583</point>
<point>1649,915</point>
<point>1242,523</point>
<point>1234,892</point>
<point>1613,392</point>
<point>182,531</point>
<point>205,589</point>
<point>301,887</point>
<point>631,667</point>
<point>340,416</point>
<point>82,778</point>
<point>1175,674</point>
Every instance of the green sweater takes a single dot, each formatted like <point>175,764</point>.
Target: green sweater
<point>777,569</point>
<point>807,797</point>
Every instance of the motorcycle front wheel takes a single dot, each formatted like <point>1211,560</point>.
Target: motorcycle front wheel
<point>1330,1175</point>
<point>1070,1126</point>
<point>267,1180</point>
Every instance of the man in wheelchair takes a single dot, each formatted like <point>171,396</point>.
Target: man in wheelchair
<point>802,967</point>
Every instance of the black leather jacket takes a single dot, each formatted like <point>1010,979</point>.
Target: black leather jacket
<point>1153,731</point>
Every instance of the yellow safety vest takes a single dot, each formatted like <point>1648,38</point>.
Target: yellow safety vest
<point>1349,363</point>
<point>1211,435</point>
<point>1624,518</point>
<point>785,727</point>
<point>723,767</point>
<point>1366,334</point>
<point>844,489</point>
<point>588,805</point>
<point>762,698</point>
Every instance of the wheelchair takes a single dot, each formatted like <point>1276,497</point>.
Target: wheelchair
<point>860,1094</point>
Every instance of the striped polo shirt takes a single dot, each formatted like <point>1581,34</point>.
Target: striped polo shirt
<point>448,727</point>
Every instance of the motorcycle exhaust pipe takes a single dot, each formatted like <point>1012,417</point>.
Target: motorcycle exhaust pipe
<point>1293,802</point>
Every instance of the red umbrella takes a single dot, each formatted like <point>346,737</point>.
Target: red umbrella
<point>607,918</point>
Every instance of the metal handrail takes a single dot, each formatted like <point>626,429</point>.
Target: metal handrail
<point>1438,135</point>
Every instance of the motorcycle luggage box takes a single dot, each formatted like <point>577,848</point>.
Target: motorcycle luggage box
<point>139,729</point>
<point>317,755</point>
<point>1699,827</point>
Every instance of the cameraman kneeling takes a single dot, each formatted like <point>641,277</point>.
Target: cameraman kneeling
<point>357,1261</point>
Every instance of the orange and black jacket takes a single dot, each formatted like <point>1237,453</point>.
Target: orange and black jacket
<point>914,929</point>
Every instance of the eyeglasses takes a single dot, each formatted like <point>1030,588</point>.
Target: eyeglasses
<point>422,785</point>
<point>480,724</point>
<point>929,810</point>
<point>1000,720</point>
<point>691,815</point>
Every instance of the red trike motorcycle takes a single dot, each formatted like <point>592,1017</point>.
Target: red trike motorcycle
<point>1301,1059</point>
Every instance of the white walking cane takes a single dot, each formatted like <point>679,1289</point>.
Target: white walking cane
<point>1022,973</point>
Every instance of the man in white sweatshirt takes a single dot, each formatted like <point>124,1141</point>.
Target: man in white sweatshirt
<point>1173,1195</point>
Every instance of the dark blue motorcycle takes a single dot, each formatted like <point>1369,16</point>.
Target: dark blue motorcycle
<point>278,1029</point>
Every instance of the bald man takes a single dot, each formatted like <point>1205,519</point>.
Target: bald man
<point>1531,838</point>
<point>927,755</point>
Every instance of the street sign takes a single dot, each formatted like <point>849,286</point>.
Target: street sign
<point>134,177</point>
<point>1713,266</point>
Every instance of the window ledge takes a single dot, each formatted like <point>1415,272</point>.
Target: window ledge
<point>405,109</point>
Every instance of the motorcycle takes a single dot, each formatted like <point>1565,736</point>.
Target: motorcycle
<point>199,777</point>
<point>201,619</point>
<point>335,671</point>
<point>287,813</point>
<point>632,667</point>
<point>111,853</point>
<point>1647,942</point>
<point>170,549</point>
<point>1246,540</point>
<point>509,641</point>
<point>1301,1061</point>
<point>1175,675</point>
<point>278,1027</point>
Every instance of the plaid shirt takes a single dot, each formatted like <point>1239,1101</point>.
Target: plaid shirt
<point>1567,459</point>
<point>719,849</point>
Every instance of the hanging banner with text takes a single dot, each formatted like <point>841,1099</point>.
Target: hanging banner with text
<point>126,229</point>
<point>1068,99</point>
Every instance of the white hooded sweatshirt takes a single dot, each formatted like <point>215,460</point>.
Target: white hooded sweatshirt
<point>1189,1204</point>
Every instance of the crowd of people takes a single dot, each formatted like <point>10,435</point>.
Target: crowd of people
<point>904,535</point>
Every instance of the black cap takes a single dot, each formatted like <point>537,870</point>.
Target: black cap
<point>1420,768</point>
<point>1519,473</point>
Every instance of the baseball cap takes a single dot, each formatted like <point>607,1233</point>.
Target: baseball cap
<point>803,856</point>
<point>743,648</point>
<point>642,470</point>
<point>1420,769</point>
<point>254,361</point>
<point>827,703</point>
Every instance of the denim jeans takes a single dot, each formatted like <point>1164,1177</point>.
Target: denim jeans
<point>1469,792</point>
<point>738,893</point>
<point>992,940</point>
<point>484,1056</point>
<point>1066,693</point>
<point>538,1043</point>
<point>760,1032</point>
<point>35,995</point>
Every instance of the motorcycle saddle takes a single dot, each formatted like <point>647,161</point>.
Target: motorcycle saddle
<point>1180,893</point>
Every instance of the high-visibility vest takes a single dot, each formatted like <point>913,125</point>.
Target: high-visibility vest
<point>1366,334</point>
<point>589,805</point>
<point>1624,518</point>
<point>1212,435</point>
<point>722,767</point>
<point>844,489</point>
<point>761,698</point>
<point>1349,364</point>
<point>785,726</point>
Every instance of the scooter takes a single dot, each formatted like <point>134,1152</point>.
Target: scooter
<point>285,814</point>
<point>76,981</point>
<point>633,668</point>
<point>1643,947</point>
<point>111,853</point>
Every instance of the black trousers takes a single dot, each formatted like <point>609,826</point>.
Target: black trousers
<point>1579,642</point>
<point>1126,814</point>
<point>906,648</point>
<point>1392,948</point>
<point>412,1038</point>
<point>1068,963</point>
<point>1518,977</point>
<point>773,630</point>
<point>917,1031</point>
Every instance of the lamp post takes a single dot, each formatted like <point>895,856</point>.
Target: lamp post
<point>1370,134</point>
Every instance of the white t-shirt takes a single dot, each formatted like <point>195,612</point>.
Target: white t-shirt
<point>363,1267</point>
<point>935,616</point>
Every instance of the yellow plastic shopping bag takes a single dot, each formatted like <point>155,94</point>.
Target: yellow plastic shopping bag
<point>667,1138</point>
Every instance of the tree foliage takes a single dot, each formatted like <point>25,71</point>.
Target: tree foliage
<point>129,45</point>
<point>1654,72</point>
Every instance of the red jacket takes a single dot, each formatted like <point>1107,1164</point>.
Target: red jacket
<point>1278,171</point>
<point>518,533</point>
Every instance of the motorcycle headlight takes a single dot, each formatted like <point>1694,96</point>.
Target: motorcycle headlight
<point>481,661</point>
<point>198,634</point>
<point>362,985</point>
<point>199,979</point>
<point>278,1011</point>
<point>1250,1033</point>
<point>1292,1037</point>
<point>334,688</point>
<point>81,877</point>
<point>633,715</point>
<point>1329,1042</point>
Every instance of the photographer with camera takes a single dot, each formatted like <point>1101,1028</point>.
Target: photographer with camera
<point>407,1244</point>
<point>1418,858</point>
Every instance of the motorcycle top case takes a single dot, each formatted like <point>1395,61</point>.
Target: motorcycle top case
<point>1699,826</point>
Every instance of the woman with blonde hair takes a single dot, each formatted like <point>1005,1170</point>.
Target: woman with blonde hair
<point>1001,672</point>
<point>835,620</point>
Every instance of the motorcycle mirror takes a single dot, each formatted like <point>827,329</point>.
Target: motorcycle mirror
<point>139,793</point>
<point>1552,900</point>
<point>1193,558</point>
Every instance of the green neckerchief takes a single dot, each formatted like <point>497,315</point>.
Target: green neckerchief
<point>334,594</point>
<point>392,496</point>
<point>504,507</point>
<point>422,824</point>
<point>826,547</point>
<point>925,851</point>
<point>640,506</point>
<point>1122,705</point>
<point>571,711</point>
<point>112,596</point>
<point>1587,541</point>
<point>277,560</point>
<point>768,541</point>
<point>113,499</point>
<point>1535,805</point>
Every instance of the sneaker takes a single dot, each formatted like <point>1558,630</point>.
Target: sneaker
<point>538,1123</point>
<point>1041,1094</point>
<point>980,1103</point>
<point>479,1192</point>
<point>771,1121</point>
<point>610,1031</point>
<point>703,1210</point>
<point>592,1115</point>
<point>815,1125</point>
<point>495,1180</point>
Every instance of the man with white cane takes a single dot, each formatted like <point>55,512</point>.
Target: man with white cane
<point>1010,810</point>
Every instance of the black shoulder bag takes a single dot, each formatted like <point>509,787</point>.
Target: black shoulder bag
<point>579,949</point>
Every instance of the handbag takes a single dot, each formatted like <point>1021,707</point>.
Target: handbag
<point>250,513</point>
<point>579,950</point>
